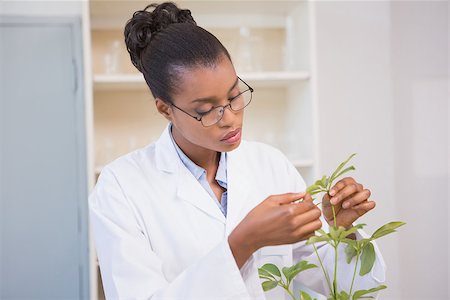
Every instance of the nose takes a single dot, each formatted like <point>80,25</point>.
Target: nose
<point>228,116</point>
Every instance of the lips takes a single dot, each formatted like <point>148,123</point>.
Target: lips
<point>231,134</point>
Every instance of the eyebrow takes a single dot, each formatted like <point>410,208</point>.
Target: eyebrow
<point>212,99</point>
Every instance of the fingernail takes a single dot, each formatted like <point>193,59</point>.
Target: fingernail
<point>345,205</point>
<point>331,192</point>
<point>333,201</point>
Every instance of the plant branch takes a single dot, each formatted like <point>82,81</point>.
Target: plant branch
<point>323,269</point>
<point>354,272</point>
<point>334,216</point>
<point>335,269</point>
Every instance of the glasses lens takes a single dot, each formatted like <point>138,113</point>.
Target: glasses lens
<point>212,117</point>
<point>244,98</point>
<point>238,103</point>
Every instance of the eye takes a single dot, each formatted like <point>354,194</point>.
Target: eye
<point>237,96</point>
<point>202,113</point>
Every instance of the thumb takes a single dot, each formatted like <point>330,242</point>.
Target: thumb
<point>288,198</point>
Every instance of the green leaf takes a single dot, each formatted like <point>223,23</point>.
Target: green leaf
<point>317,239</point>
<point>312,188</point>
<point>316,192</point>
<point>322,232</point>
<point>353,229</point>
<point>300,267</point>
<point>360,293</point>
<point>293,271</point>
<point>350,252</point>
<point>315,189</point>
<point>322,182</point>
<point>386,229</point>
<point>268,285</point>
<point>286,272</point>
<point>367,259</point>
<point>351,168</point>
<point>333,176</point>
<point>304,296</point>
<point>343,296</point>
<point>272,269</point>
<point>335,233</point>
<point>264,274</point>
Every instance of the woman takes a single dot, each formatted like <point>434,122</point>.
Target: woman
<point>194,215</point>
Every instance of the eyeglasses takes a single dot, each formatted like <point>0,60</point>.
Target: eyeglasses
<point>237,103</point>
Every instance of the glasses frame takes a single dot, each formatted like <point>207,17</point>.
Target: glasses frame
<point>199,118</point>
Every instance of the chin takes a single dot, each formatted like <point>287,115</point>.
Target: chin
<point>231,147</point>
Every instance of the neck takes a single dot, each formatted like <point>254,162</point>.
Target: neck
<point>205,158</point>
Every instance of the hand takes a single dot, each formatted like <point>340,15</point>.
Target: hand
<point>350,201</point>
<point>275,221</point>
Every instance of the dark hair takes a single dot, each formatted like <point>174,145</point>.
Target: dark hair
<point>164,42</point>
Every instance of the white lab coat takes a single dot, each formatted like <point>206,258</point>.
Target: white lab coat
<point>159,235</point>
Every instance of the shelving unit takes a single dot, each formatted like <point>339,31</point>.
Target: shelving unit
<point>109,82</point>
<point>280,67</point>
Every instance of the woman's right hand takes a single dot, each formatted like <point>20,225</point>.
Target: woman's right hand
<point>275,221</point>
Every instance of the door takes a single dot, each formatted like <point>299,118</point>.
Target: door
<point>43,176</point>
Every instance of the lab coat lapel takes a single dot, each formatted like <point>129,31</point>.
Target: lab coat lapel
<point>190,190</point>
<point>187,187</point>
<point>239,188</point>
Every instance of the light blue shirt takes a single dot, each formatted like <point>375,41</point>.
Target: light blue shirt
<point>200,174</point>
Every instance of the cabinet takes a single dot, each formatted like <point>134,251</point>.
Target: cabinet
<point>271,46</point>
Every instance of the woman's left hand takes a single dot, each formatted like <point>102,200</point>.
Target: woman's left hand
<point>350,201</point>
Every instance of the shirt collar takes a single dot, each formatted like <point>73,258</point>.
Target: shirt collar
<point>197,171</point>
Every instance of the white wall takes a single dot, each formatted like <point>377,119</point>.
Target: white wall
<point>419,56</point>
<point>382,84</point>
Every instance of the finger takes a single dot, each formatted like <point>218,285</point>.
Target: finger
<point>326,201</point>
<point>295,209</point>
<point>306,217</point>
<point>341,184</point>
<point>308,230</point>
<point>348,190</point>
<point>308,197</point>
<point>364,207</point>
<point>356,199</point>
<point>328,213</point>
<point>287,198</point>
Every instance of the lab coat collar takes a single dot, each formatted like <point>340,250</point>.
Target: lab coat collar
<point>190,190</point>
<point>165,153</point>
<point>239,187</point>
<point>188,187</point>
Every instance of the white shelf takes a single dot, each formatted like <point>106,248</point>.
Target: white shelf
<point>103,82</point>
<point>112,82</point>
<point>215,14</point>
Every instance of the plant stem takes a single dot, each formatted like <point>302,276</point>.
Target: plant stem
<point>354,272</point>
<point>335,256</point>
<point>334,216</point>
<point>290,293</point>
<point>286,287</point>
<point>323,269</point>
<point>335,270</point>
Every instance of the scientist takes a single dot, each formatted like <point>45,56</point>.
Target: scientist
<point>193,215</point>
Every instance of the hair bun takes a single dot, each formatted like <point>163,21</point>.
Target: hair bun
<point>145,25</point>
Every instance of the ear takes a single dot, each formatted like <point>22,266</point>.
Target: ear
<point>164,109</point>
